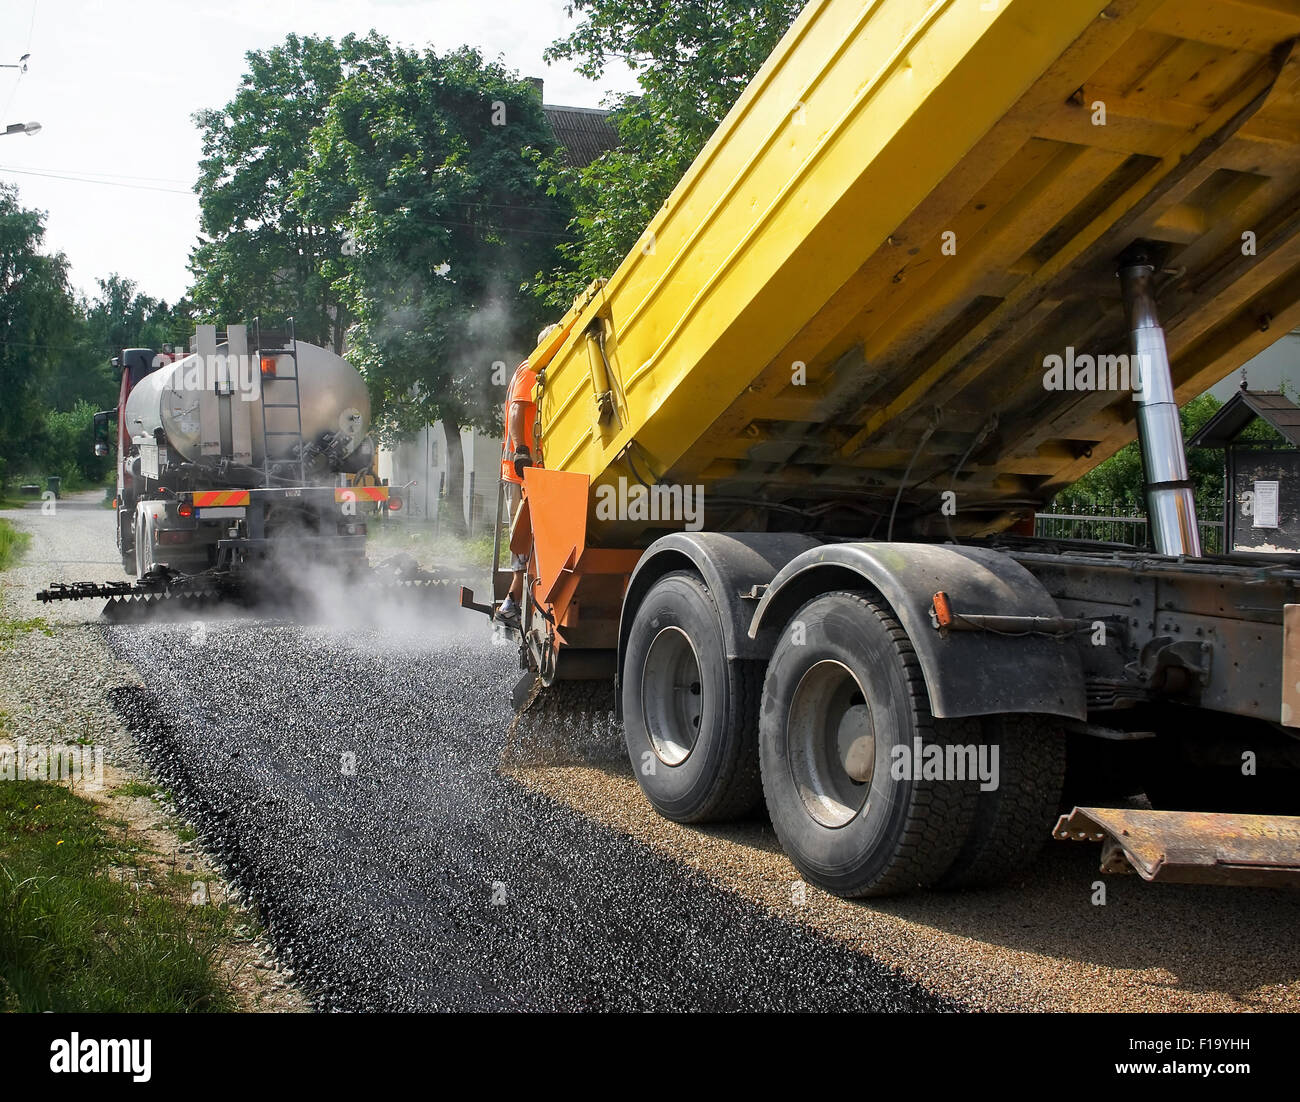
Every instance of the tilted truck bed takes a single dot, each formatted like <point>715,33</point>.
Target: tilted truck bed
<point>919,201</point>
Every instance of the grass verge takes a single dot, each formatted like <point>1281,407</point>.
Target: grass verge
<point>12,544</point>
<point>87,924</point>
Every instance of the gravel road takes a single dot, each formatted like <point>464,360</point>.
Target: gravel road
<point>349,781</point>
<point>409,874</point>
<point>66,668</point>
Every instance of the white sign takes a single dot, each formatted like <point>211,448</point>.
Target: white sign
<point>1265,515</point>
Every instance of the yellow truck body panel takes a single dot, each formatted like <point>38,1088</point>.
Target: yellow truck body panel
<point>914,203</point>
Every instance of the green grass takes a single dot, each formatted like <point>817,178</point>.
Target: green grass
<point>11,628</point>
<point>86,924</point>
<point>428,548</point>
<point>12,544</point>
<point>136,788</point>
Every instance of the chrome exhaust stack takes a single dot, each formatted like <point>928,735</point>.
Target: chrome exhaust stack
<point>1171,510</point>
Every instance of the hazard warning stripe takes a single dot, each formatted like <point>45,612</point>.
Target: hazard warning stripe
<point>221,497</point>
<point>361,493</point>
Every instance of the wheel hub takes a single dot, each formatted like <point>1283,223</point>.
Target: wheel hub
<point>672,697</point>
<point>856,742</point>
<point>831,743</point>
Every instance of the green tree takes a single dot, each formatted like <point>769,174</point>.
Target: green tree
<point>68,444</point>
<point>37,314</point>
<point>692,58</point>
<point>450,216</point>
<point>119,316</point>
<point>261,254</point>
<point>1119,480</point>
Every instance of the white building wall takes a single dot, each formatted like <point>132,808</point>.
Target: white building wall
<point>423,459</point>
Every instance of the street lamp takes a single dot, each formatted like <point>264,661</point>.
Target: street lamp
<point>21,66</point>
<point>21,128</point>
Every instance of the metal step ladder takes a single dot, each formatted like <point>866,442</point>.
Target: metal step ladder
<point>280,344</point>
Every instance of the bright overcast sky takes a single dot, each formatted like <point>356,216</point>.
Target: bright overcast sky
<point>113,84</point>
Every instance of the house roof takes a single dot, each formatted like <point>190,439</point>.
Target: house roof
<point>1241,409</point>
<point>583,133</point>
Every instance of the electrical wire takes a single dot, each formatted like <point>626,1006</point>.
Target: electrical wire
<point>89,180</point>
<point>930,430</point>
<point>485,226</point>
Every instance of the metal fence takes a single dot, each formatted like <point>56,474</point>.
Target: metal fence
<point>1113,523</point>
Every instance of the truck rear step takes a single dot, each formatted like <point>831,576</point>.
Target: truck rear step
<point>1190,847</point>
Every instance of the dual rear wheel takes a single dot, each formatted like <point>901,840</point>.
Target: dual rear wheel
<point>839,741</point>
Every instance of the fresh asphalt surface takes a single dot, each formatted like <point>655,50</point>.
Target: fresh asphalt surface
<point>424,879</point>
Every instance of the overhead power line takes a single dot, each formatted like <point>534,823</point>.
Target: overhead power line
<point>83,179</point>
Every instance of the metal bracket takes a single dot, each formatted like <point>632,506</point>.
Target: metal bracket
<point>1172,666</point>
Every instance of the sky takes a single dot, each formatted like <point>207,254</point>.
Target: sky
<point>114,83</point>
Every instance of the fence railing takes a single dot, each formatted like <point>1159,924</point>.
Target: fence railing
<point>1119,523</point>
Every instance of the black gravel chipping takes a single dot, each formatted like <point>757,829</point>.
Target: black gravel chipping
<point>426,880</point>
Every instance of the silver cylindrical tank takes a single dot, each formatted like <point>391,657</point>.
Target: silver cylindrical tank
<point>331,394</point>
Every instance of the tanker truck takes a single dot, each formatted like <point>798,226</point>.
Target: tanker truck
<point>938,261</point>
<point>251,449</point>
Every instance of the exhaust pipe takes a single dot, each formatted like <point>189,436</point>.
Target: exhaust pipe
<point>1171,510</point>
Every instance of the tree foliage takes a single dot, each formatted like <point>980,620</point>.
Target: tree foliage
<point>36,312</point>
<point>449,217</point>
<point>391,197</point>
<point>55,349</point>
<point>1120,481</point>
<point>262,253</point>
<point>692,59</point>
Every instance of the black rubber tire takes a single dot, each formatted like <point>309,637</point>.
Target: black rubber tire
<point>910,830</point>
<point>1014,820</point>
<point>718,779</point>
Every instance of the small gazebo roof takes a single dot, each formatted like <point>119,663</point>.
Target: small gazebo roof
<point>1241,409</point>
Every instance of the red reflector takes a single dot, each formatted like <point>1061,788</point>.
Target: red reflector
<point>185,509</point>
<point>394,502</point>
<point>171,535</point>
<point>268,365</point>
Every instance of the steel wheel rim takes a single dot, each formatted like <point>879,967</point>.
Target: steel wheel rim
<point>672,695</point>
<point>831,744</point>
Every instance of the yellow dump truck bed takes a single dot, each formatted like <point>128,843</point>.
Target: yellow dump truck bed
<point>913,204</point>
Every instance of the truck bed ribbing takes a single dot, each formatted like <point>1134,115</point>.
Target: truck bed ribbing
<point>856,285</point>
